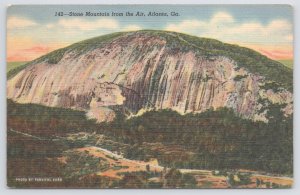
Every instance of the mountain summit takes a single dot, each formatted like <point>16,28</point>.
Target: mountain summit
<point>144,70</point>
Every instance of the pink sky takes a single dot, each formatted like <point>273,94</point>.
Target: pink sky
<point>35,51</point>
<point>29,37</point>
<point>28,54</point>
<point>277,54</point>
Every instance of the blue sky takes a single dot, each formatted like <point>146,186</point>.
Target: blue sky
<point>266,28</point>
<point>242,13</point>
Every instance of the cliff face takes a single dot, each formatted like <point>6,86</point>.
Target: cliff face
<point>141,71</point>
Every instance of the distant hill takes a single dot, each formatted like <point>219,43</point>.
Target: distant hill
<point>287,63</point>
<point>13,65</point>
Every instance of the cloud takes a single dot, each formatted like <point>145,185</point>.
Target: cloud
<point>16,22</point>
<point>186,24</point>
<point>50,25</point>
<point>225,27</point>
<point>100,24</point>
<point>221,17</point>
<point>27,44</point>
<point>88,25</point>
<point>289,37</point>
<point>132,28</point>
<point>273,39</point>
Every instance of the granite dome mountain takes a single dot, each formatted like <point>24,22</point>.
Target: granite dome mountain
<point>145,70</point>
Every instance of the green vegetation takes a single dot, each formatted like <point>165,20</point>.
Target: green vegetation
<point>244,57</point>
<point>260,184</point>
<point>78,164</point>
<point>206,184</point>
<point>29,157</point>
<point>287,63</point>
<point>247,58</point>
<point>271,85</point>
<point>239,77</point>
<point>174,179</point>
<point>119,167</point>
<point>46,121</point>
<point>111,157</point>
<point>171,178</point>
<point>78,48</point>
<point>13,71</point>
<point>13,65</point>
<point>239,179</point>
<point>219,138</point>
<point>210,140</point>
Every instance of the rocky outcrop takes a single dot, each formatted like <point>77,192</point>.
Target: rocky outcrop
<point>141,71</point>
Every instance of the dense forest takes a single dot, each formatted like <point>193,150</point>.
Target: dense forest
<point>211,140</point>
<point>219,139</point>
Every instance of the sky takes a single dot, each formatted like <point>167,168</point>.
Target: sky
<point>34,30</point>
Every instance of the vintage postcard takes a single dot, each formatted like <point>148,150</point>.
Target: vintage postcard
<point>150,96</point>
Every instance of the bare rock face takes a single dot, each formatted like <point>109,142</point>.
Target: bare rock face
<point>141,71</point>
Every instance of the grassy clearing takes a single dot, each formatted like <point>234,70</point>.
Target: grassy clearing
<point>288,63</point>
<point>13,65</point>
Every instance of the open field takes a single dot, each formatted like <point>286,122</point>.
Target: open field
<point>13,65</point>
<point>288,63</point>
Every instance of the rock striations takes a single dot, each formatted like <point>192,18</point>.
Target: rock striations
<point>145,70</point>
